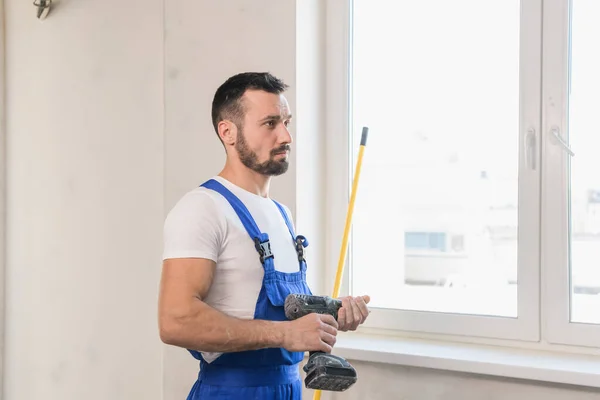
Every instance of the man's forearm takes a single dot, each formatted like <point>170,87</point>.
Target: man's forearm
<point>207,329</point>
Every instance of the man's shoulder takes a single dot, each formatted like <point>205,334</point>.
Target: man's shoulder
<point>207,202</point>
<point>194,226</point>
<point>197,201</point>
<point>194,197</point>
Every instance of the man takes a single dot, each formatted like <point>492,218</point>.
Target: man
<point>231,257</point>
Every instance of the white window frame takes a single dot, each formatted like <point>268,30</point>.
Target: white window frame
<point>3,207</point>
<point>555,233</point>
<point>340,167</point>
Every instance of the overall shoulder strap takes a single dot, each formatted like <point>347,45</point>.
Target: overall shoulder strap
<point>299,241</point>
<point>237,205</point>
<point>261,240</point>
<point>286,218</point>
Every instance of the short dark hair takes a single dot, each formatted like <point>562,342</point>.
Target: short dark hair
<point>227,100</point>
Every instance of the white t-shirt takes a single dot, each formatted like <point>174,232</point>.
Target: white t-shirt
<point>202,224</point>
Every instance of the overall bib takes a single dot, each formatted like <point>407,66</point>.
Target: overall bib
<point>266,374</point>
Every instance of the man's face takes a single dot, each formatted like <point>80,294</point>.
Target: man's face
<point>263,143</point>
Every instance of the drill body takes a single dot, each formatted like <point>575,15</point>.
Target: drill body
<point>323,371</point>
<point>299,305</point>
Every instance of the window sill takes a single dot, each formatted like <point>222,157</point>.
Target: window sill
<point>534,365</point>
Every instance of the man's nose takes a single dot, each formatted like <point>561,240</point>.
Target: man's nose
<point>284,134</point>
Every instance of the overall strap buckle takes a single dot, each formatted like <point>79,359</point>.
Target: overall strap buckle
<point>301,243</point>
<point>263,249</point>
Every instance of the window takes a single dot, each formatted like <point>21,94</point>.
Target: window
<point>478,208</point>
<point>571,241</point>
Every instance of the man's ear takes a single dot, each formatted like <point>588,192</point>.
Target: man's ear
<point>227,132</point>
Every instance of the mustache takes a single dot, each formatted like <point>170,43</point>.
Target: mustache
<point>285,147</point>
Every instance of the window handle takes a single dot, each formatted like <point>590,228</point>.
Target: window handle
<point>556,133</point>
<point>531,148</point>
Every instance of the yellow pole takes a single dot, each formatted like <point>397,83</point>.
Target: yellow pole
<point>349,214</point>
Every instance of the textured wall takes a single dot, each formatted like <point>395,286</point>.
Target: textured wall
<point>84,200</point>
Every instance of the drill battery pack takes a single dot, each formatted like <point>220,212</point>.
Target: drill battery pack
<point>328,372</point>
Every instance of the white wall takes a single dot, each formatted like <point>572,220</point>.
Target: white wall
<point>108,106</point>
<point>310,132</point>
<point>85,202</point>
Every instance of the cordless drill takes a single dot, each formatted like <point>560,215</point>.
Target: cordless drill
<point>323,371</point>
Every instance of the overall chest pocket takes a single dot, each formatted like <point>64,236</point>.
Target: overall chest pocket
<point>279,286</point>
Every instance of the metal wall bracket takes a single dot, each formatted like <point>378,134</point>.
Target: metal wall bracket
<point>43,8</point>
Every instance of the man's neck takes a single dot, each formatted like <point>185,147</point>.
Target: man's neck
<point>247,179</point>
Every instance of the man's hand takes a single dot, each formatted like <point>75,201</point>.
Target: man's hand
<point>313,332</point>
<point>353,313</point>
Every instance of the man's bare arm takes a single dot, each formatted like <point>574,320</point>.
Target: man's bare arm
<point>186,321</point>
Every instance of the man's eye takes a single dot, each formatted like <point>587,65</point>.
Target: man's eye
<point>287,122</point>
<point>271,123</point>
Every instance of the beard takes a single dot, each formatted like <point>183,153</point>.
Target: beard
<point>249,158</point>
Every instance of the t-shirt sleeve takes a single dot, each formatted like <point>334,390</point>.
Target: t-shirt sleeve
<point>194,228</point>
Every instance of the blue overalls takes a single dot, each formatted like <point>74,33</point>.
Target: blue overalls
<point>266,374</point>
